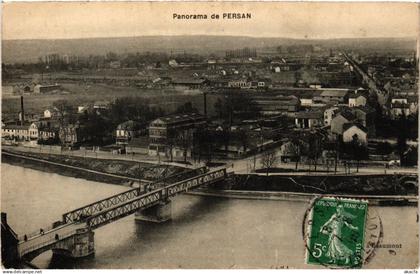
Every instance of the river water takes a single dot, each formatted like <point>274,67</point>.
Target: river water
<point>205,232</point>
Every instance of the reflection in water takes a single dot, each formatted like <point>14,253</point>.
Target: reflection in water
<point>204,232</point>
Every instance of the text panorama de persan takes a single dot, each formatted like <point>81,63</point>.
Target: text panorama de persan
<point>216,16</point>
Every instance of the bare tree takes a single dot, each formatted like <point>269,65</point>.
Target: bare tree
<point>297,151</point>
<point>268,160</point>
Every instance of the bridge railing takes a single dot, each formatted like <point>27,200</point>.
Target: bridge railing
<point>35,233</point>
<point>24,251</point>
<point>93,208</point>
<point>151,198</point>
<point>196,181</point>
<point>89,210</point>
<point>124,209</point>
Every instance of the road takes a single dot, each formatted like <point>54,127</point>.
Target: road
<point>142,158</point>
<point>77,168</point>
<point>246,166</point>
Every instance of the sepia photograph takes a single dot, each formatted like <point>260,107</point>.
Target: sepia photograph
<point>209,135</point>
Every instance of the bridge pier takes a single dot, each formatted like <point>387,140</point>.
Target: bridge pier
<point>159,213</point>
<point>81,245</point>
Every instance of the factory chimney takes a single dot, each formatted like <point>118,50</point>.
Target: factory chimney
<point>22,112</point>
<point>205,104</point>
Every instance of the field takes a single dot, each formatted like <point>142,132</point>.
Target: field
<point>76,94</point>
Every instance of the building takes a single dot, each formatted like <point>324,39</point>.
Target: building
<point>261,84</point>
<point>72,134</point>
<point>83,108</point>
<point>275,105</point>
<point>16,132</point>
<point>306,100</point>
<point>239,83</point>
<point>241,53</point>
<point>289,152</point>
<point>50,113</point>
<point>128,130</point>
<point>398,109</point>
<point>339,120</point>
<point>46,88</point>
<point>365,115</point>
<point>189,83</point>
<point>309,119</point>
<point>333,95</point>
<point>329,114</point>
<point>46,133</point>
<point>413,103</point>
<point>138,145</point>
<point>353,131</point>
<point>33,131</point>
<point>101,105</point>
<point>171,136</point>
<point>357,98</point>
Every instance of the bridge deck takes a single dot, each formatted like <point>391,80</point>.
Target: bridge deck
<point>48,237</point>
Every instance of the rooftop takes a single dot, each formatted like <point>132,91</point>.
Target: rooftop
<point>347,115</point>
<point>310,114</point>
<point>365,109</point>
<point>188,81</point>
<point>346,126</point>
<point>334,92</point>
<point>177,118</point>
<point>130,125</point>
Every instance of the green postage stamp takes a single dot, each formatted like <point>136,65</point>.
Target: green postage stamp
<point>336,232</point>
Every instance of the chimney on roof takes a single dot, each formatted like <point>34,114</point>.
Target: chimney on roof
<point>22,112</point>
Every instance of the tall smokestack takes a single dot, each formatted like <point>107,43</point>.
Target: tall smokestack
<point>22,111</point>
<point>205,104</point>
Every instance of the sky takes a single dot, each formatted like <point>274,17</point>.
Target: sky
<point>61,20</point>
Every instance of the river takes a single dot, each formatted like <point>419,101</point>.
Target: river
<point>205,232</point>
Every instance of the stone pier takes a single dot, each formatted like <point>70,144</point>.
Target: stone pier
<point>80,245</point>
<point>159,213</point>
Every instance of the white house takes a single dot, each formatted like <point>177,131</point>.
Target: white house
<point>329,114</point>
<point>306,101</point>
<point>16,132</point>
<point>48,113</point>
<point>357,99</point>
<point>33,131</point>
<point>352,131</point>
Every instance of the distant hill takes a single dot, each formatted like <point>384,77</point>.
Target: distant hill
<point>16,51</point>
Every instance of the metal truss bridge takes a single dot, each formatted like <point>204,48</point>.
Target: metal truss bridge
<point>73,234</point>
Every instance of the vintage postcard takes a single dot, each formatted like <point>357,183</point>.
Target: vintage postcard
<point>209,135</point>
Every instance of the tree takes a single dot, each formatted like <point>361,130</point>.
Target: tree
<point>186,108</point>
<point>96,128</point>
<point>268,160</point>
<point>204,141</point>
<point>315,148</point>
<point>219,106</point>
<point>243,138</point>
<point>184,140</point>
<point>402,136</point>
<point>65,114</point>
<point>64,109</point>
<point>236,105</point>
<point>358,150</point>
<point>296,147</point>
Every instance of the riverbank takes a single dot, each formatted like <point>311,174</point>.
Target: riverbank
<point>304,197</point>
<point>400,189</point>
<point>118,172</point>
<point>354,184</point>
